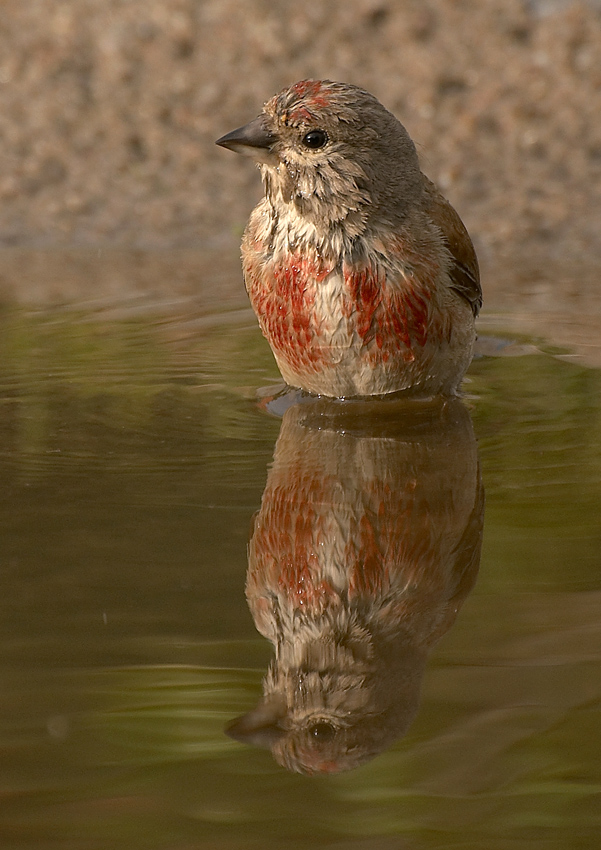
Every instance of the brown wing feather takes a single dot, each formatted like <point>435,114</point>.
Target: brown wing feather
<point>464,272</point>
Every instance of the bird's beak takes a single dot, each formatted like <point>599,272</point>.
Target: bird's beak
<point>260,726</point>
<point>254,139</point>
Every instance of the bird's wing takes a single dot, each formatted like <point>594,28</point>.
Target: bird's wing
<point>464,272</point>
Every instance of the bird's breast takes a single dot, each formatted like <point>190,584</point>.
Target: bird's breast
<point>342,328</point>
<point>307,301</point>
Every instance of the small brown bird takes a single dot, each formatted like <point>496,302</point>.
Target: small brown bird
<point>362,275</point>
<point>364,549</point>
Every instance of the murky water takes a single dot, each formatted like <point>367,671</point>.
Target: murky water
<point>462,688</point>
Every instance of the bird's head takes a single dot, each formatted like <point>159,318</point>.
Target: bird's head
<point>333,152</point>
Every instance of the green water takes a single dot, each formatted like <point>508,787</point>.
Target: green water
<point>133,457</point>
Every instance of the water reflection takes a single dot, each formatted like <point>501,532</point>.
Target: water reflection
<point>365,546</point>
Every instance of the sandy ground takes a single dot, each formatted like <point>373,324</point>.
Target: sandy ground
<point>110,182</point>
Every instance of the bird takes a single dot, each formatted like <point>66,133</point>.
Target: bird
<point>366,544</point>
<point>363,277</point>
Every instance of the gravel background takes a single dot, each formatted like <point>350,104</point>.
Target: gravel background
<point>109,110</point>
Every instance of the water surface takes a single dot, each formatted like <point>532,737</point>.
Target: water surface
<point>133,458</point>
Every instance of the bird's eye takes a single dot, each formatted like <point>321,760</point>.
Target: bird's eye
<point>322,730</point>
<point>315,139</point>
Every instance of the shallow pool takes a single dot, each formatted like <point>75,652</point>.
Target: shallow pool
<point>136,466</point>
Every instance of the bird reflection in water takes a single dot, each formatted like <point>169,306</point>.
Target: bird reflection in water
<point>366,544</point>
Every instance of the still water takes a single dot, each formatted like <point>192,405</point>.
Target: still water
<point>405,669</point>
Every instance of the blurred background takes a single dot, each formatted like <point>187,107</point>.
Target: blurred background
<point>109,110</point>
